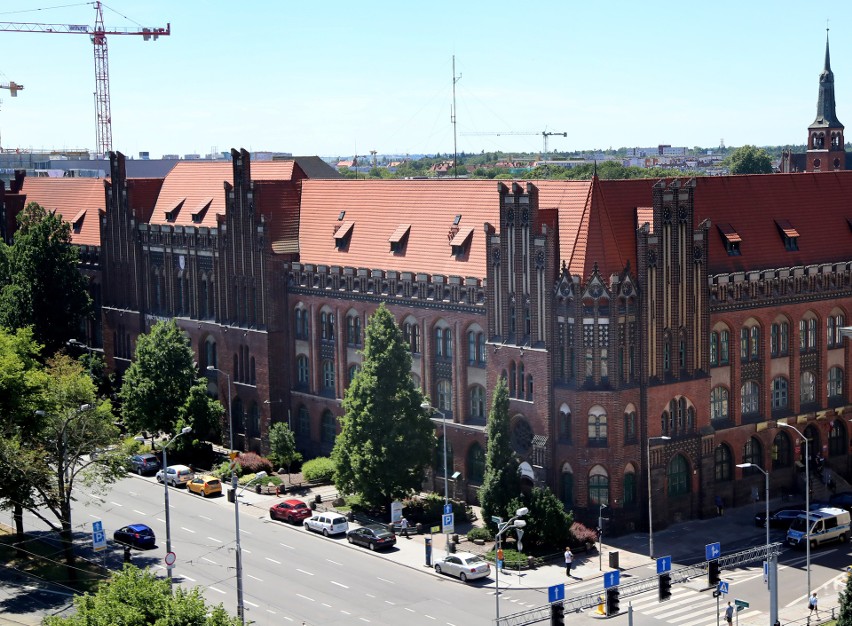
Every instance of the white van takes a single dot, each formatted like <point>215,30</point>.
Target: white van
<point>826,524</point>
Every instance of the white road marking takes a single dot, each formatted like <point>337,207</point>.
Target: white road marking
<point>386,580</point>
<point>274,613</point>
<point>205,517</point>
<point>204,558</point>
<point>140,512</point>
<point>304,572</point>
<point>214,539</point>
<point>345,612</point>
<point>188,577</point>
<point>369,595</point>
<point>305,597</point>
<point>257,606</point>
<point>334,582</point>
<point>161,520</point>
<point>115,503</point>
<point>334,562</point>
<point>246,551</point>
<point>256,578</point>
<point>248,532</point>
<point>410,610</point>
<point>326,605</point>
<point>284,545</point>
<point>274,561</point>
<point>364,619</point>
<point>189,530</point>
<point>94,516</point>
<point>214,589</point>
<point>429,616</point>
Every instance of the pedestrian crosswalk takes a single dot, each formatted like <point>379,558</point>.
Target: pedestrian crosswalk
<point>687,607</point>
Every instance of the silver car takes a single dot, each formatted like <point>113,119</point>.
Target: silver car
<point>327,524</point>
<point>464,565</point>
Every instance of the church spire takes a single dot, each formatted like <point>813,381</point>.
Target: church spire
<point>826,116</point>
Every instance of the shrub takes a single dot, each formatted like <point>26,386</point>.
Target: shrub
<point>318,470</point>
<point>582,535</point>
<point>252,463</point>
<point>429,508</point>
<point>480,533</point>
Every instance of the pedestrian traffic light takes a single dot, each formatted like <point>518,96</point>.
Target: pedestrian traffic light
<point>713,572</point>
<point>665,587</point>
<point>557,614</point>
<point>612,601</point>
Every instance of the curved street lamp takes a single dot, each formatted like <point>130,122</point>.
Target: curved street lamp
<point>165,469</point>
<point>211,368</point>
<point>807,504</point>
<point>430,409</point>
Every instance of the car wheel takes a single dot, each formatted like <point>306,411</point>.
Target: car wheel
<point>349,539</point>
<point>437,569</point>
<point>325,532</point>
<point>139,471</point>
<point>159,478</point>
<point>372,546</point>
<point>813,545</point>
<point>463,577</point>
<point>843,538</point>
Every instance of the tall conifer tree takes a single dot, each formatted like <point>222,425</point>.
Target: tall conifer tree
<point>501,484</point>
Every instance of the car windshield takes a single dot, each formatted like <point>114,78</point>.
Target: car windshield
<point>301,505</point>
<point>799,524</point>
<point>338,520</point>
<point>473,560</point>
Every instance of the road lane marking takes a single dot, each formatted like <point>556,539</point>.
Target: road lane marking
<point>248,532</point>
<point>189,530</point>
<point>205,517</point>
<point>385,580</point>
<point>187,577</point>
<point>389,602</point>
<point>304,572</point>
<point>256,578</point>
<point>334,582</point>
<point>364,619</point>
<point>274,613</point>
<point>286,546</point>
<point>326,605</point>
<point>429,616</point>
<point>161,520</point>
<point>214,539</point>
<point>246,551</point>
<point>115,503</point>
<point>140,512</point>
<point>214,589</point>
<point>410,610</point>
<point>334,562</point>
<point>204,558</point>
<point>369,595</point>
<point>274,561</point>
<point>305,597</point>
<point>257,606</point>
<point>345,612</point>
<point>95,516</point>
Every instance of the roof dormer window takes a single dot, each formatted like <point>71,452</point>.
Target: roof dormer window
<point>399,238</point>
<point>731,238</point>
<point>789,235</point>
<point>342,235</point>
<point>460,243</point>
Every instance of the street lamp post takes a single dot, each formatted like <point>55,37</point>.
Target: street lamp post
<point>241,613</point>
<point>807,504</point>
<point>211,368</point>
<point>166,496</point>
<point>514,522</point>
<point>773,596</point>
<point>650,495</point>
<point>428,407</point>
<point>600,535</point>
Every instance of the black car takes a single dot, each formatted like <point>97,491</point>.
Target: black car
<point>144,463</point>
<point>841,500</point>
<point>780,518</point>
<point>373,536</point>
<point>136,535</point>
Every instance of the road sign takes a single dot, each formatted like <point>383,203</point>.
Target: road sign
<point>555,593</point>
<point>435,530</point>
<point>170,559</point>
<point>611,579</point>
<point>497,519</point>
<point>98,536</point>
<point>664,564</point>
<point>723,586</point>
<point>712,551</point>
<point>741,604</point>
<point>447,523</point>
<point>448,508</point>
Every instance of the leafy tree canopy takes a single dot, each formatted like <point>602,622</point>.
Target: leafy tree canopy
<point>845,616</point>
<point>158,382</point>
<point>749,160</point>
<point>548,525</point>
<point>40,284</point>
<point>501,483</point>
<point>386,440</point>
<point>282,446</point>
<point>22,381</point>
<point>202,413</point>
<point>136,597</point>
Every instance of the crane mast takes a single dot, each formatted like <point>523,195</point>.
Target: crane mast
<point>98,36</point>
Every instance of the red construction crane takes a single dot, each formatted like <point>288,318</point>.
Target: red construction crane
<point>98,36</point>
<point>13,88</point>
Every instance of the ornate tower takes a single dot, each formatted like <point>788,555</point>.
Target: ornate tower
<point>826,150</point>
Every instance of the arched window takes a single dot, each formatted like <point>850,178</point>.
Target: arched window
<point>304,424</point>
<point>782,453</point>
<point>598,486</point>
<point>750,398</point>
<point>302,371</point>
<point>353,371</point>
<point>353,330</point>
<point>597,426</point>
<point>301,323</point>
<point>779,393</point>
<point>723,463</point>
<point>630,495</point>
<point>630,424</point>
<point>714,349</point>
<point>521,386</point>
<point>754,348</point>
<point>445,395</point>
<point>253,421</point>
<point>835,383</point>
<point>328,429</point>
<point>808,388</point>
<point>529,388</point>
<point>522,436</point>
<point>743,344</point>
<point>665,423</point>
<point>752,453</point>
<point>724,347</point>
<point>210,352</point>
<point>837,445</point>
<point>439,458</point>
<point>512,375</point>
<point>252,372</point>
<point>411,334</point>
<point>565,423</point>
<point>475,464</point>
<point>324,327</point>
<point>328,375</point>
<point>237,417</point>
<point>566,487</point>
<point>719,403</point>
<point>477,402</point>
<point>678,475</point>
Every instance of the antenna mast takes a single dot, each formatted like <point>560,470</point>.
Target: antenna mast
<point>453,120</point>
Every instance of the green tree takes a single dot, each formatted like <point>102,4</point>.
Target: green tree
<point>136,597</point>
<point>282,446</point>
<point>548,525</point>
<point>501,483</point>
<point>202,413</point>
<point>749,160</point>
<point>158,382</point>
<point>386,440</point>
<point>40,284</point>
<point>845,616</point>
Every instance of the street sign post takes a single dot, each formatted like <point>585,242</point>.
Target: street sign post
<point>448,523</point>
<point>664,564</point>
<point>723,586</point>
<point>741,604</point>
<point>712,551</point>
<point>555,593</point>
<point>98,536</point>
<point>497,519</point>
<point>170,559</point>
<point>611,579</point>
<point>448,508</point>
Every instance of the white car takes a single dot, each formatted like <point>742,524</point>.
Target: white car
<point>176,475</point>
<point>327,524</point>
<point>464,565</point>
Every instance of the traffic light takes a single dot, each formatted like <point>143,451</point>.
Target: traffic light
<point>665,587</point>
<point>557,614</point>
<point>612,601</point>
<point>713,572</point>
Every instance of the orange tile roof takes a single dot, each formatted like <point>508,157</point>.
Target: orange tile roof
<point>78,200</point>
<point>400,233</point>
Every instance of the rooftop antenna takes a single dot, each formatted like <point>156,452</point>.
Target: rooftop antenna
<point>453,120</point>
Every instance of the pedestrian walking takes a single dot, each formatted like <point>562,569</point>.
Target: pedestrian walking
<point>720,506</point>
<point>813,606</point>
<point>569,559</point>
<point>729,614</point>
<point>403,527</point>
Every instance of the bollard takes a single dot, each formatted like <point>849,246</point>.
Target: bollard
<point>428,551</point>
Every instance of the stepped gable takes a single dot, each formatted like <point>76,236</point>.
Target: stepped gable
<point>79,201</point>
<point>374,210</point>
<point>760,207</point>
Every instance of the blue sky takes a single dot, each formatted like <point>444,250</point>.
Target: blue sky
<point>335,78</point>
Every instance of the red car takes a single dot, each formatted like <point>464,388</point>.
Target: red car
<point>293,511</point>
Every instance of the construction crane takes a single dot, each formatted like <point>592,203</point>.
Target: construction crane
<point>545,135</point>
<point>98,35</point>
<point>13,88</point>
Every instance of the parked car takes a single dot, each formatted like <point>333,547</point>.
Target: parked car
<point>779,518</point>
<point>176,475</point>
<point>841,500</point>
<point>293,511</point>
<point>144,463</point>
<point>205,486</point>
<point>464,565</point>
<point>327,524</point>
<point>136,535</point>
<point>373,536</point>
